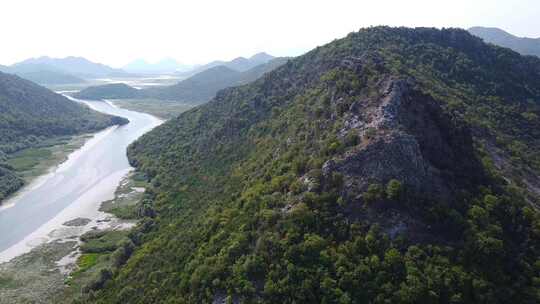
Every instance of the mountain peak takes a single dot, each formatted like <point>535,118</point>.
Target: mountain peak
<point>262,57</point>
<point>239,59</point>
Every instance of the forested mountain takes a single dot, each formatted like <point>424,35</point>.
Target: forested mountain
<point>525,46</point>
<point>30,114</point>
<point>76,66</point>
<point>394,165</point>
<point>198,88</point>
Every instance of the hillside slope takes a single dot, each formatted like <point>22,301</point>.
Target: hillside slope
<point>525,46</point>
<point>30,114</point>
<point>203,86</point>
<point>369,170</point>
<point>109,91</point>
<point>199,87</point>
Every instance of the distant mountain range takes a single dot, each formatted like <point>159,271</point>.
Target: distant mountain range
<point>77,66</point>
<point>240,64</point>
<point>51,71</point>
<point>198,88</point>
<point>170,65</point>
<point>525,46</point>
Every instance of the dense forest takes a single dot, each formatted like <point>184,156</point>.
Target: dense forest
<point>196,89</point>
<point>394,165</point>
<point>31,114</point>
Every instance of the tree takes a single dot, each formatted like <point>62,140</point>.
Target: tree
<point>394,189</point>
<point>374,193</point>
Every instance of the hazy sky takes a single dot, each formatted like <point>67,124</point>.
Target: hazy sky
<point>116,31</point>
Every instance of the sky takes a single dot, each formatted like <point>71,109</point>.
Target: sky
<point>116,32</point>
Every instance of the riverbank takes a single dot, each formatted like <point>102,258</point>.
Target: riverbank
<point>75,188</point>
<point>54,227</point>
<point>73,261</point>
<point>34,162</point>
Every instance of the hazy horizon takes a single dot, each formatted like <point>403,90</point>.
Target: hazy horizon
<point>116,33</point>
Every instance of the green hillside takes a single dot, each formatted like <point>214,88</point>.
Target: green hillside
<point>394,165</point>
<point>199,87</point>
<point>109,91</point>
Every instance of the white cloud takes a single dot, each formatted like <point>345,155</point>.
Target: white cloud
<point>115,32</point>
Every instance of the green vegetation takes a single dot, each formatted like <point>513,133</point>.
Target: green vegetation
<point>33,277</point>
<point>129,199</point>
<point>394,190</point>
<point>109,91</point>
<point>164,109</point>
<point>374,193</point>
<point>100,253</point>
<point>86,261</point>
<point>27,159</point>
<point>104,251</point>
<point>101,241</point>
<point>33,117</point>
<point>259,196</point>
<point>30,163</point>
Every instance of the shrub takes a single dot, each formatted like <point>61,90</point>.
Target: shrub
<point>374,193</point>
<point>394,189</point>
<point>370,133</point>
<point>351,139</point>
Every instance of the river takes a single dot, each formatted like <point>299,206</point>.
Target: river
<point>74,189</point>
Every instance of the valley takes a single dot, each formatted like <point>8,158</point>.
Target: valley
<point>37,217</point>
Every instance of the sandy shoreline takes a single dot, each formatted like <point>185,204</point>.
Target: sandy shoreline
<point>87,206</point>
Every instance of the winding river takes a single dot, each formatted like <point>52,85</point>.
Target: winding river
<point>74,189</point>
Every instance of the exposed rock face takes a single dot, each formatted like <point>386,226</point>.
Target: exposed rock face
<point>407,136</point>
